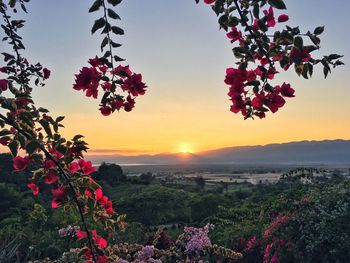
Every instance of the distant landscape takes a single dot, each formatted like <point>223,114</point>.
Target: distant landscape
<point>326,152</point>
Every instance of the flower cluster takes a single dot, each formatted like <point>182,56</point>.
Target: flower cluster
<point>197,238</point>
<point>100,76</point>
<point>146,255</point>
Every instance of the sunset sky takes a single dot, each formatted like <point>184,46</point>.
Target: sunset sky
<point>182,55</point>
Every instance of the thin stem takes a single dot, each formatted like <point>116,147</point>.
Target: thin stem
<point>252,34</point>
<point>14,46</point>
<point>108,35</point>
<point>64,175</point>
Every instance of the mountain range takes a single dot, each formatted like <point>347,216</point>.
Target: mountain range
<point>302,152</point>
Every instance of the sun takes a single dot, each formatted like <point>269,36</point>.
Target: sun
<point>185,149</point>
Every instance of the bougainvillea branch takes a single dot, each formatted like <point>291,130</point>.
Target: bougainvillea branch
<point>250,90</point>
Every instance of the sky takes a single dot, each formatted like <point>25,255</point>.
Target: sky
<point>182,55</point>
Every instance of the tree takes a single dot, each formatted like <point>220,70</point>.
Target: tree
<point>110,173</point>
<point>59,163</point>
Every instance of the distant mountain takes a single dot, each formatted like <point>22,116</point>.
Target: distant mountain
<point>312,152</point>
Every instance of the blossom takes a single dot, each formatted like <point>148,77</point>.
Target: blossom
<point>3,84</point>
<point>209,2</point>
<point>87,168</point>
<point>123,71</point>
<point>287,91</point>
<point>134,85</point>
<point>270,17</point>
<point>304,55</point>
<point>105,110</point>
<point>47,73</point>
<point>59,195</point>
<point>34,188</point>
<point>73,167</point>
<point>146,253</point>
<point>274,102</point>
<point>20,163</point>
<point>50,178</point>
<point>234,34</point>
<point>283,18</point>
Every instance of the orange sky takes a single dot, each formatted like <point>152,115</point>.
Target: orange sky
<point>186,106</point>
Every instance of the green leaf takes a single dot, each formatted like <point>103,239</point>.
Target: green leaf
<point>4,132</point>
<point>112,14</point>
<point>31,147</point>
<point>96,6</point>
<point>13,147</point>
<point>104,43</point>
<point>118,59</point>
<point>334,56</point>
<point>256,10</point>
<point>114,2</point>
<point>117,30</point>
<point>99,23</point>
<point>298,42</point>
<point>115,44</point>
<point>46,127</point>
<point>77,137</point>
<point>60,118</point>
<point>233,21</point>
<point>279,4</point>
<point>319,30</point>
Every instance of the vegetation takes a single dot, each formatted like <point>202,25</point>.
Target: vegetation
<point>294,220</point>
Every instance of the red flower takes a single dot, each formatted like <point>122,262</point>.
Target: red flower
<point>59,194</point>
<point>73,167</point>
<point>122,71</point>
<point>129,104</point>
<point>81,234</point>
<point>87,168</point>
<point>270,17</point>
<point>47,73</point>
<point>4,141</point>
<point>3,84</point>
<point>287,91</point>
<point>283,18</point>
<point>209,2</point>
<point>20,163</point>
<point>274,102</point>
<point>98,194</point>
<point>304,56</point>
<point>234,34</point>
<point>101,242</point>
<point>134,85</point>
<point>50,178</point>
<point>258,101</point>
<point>105,110</point>
<point>34,188</point>
<point>102,259</point>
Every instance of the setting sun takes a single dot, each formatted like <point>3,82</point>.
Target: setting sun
<point>185,149</point>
